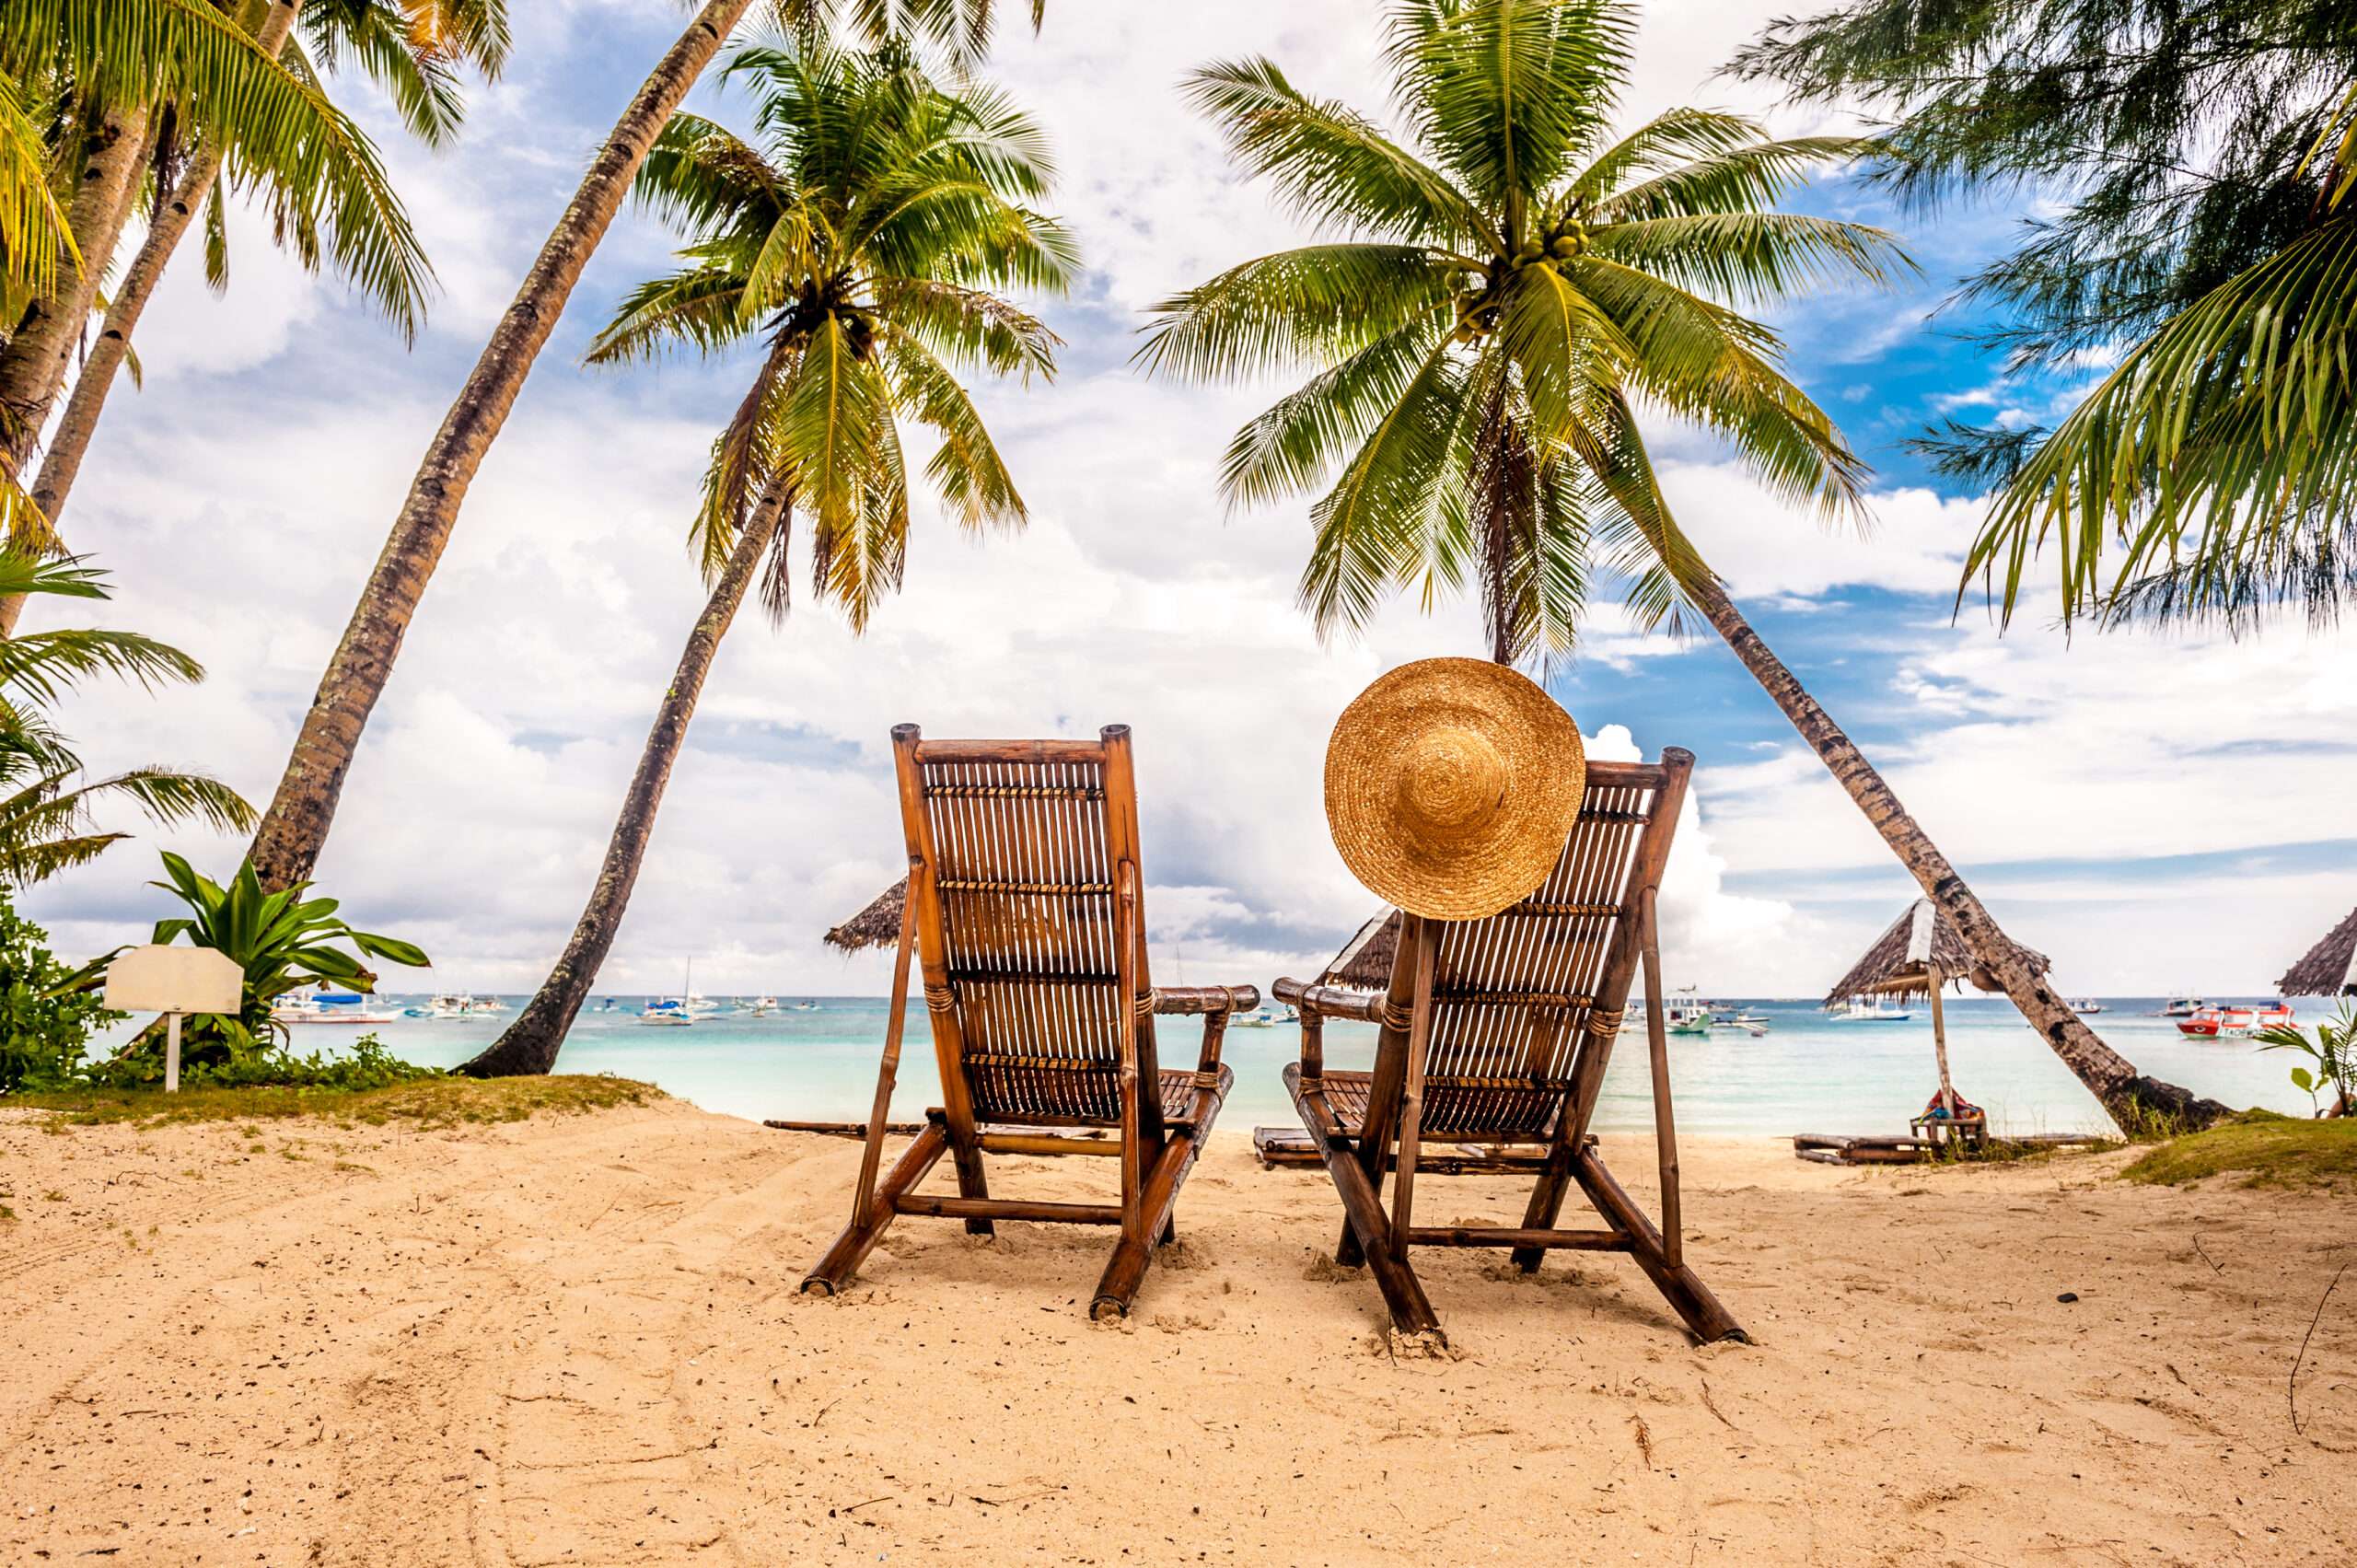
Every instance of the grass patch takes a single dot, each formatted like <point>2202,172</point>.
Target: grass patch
<point>2265,1149</point>
<point>430,1103</point>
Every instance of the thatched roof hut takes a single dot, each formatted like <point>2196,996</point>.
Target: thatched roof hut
<point>1901,959</point>
<point>1364,962</point>
<point>2330,967</point>
<point>878,925</point>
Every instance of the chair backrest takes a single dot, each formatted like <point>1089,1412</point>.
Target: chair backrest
<point>1018,854</point>
<point>1523,998</point>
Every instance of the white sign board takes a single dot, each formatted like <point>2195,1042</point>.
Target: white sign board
<point>175,979</point>
<point>172,980</point>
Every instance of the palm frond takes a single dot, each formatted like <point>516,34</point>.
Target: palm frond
<point>1291,447</point>
<point>1331,164</point>
<point>1754,258</point>
<point>965,470</point>
<point>282,131</point>
<point>1509,93</point>
<point>1296,309</point>
<point>1370,527</point>
<point>1743,178</point>
<point>2220,454</point>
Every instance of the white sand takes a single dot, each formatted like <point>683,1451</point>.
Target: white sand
<point>579,1340</point>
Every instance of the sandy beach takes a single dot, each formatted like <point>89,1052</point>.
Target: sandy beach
<point>578,1339</point>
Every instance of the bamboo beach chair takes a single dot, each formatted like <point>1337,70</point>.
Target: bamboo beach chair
<point>1495,1033</point>
<point>1025,912</point>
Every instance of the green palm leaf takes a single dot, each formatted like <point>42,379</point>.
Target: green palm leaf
<point>2219,455</point>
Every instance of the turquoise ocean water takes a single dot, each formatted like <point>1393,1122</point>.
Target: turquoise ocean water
<point>1807,1074</point>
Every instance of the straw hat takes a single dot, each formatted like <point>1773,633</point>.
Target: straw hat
<point>1451,784</point>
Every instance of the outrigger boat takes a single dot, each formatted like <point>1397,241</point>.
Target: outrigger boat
<point>2228,1023</point>
<point>2182,1007</point>
<point>327,1008</point>
<point>1871,1010</point>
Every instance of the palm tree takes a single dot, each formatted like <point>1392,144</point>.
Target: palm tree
<point>107,69</point>
<point>855,238</point>
<point>1516,285</point>
<point>303,809</point>
<point>46,801</point>
<point>410,48</point>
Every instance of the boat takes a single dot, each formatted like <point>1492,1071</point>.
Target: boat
<point>2085,1007</point>
<point>453,1004</point>
<point>668,1011</point>
<point>763,1006</point>
<point>1263,1019</point>
<point>328,1007</point>
<point>1290,1016</point>
<point>805,1006</point>
<point>2182,1007</point>
<point>2233,1023</point>
<point>1870,1010</point>
<point>1687,1017</point>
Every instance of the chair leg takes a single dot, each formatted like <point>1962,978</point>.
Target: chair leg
<point>1365,1227</point>
<point>1678,1283</point>
<point>967,1155</point>
<point>1158,1196</point>
<point>835,1270</point>
<point>1546,1205</point>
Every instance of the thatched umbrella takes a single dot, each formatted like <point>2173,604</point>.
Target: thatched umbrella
<point>1919,958</point>
<point>878,925</point>
<point>1364,962</point>
<point>2330,967</point>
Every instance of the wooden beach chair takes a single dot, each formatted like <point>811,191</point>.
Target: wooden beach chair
<point>1025,916</point>
<point>1494,1035</point>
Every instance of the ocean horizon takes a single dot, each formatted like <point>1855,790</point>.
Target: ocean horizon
<point>1808,1074</point>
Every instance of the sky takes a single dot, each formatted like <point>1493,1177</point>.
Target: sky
<point>2154,812</point>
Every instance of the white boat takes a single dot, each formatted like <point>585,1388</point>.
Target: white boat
<point>805,1006</point>
<point>1263,1019</point>
<point>452,1005</point>
<point>2182,1007</point>
<point>1870,1010</point>
<point>2085,1006</point>
<point>668,1011</point>
<point>763,1006</point>
<point>328,1007</point>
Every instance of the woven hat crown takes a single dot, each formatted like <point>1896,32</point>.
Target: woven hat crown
<point>1451,784</point>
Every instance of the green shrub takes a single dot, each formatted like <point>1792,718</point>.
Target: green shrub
<point>369,1066</point>
<point>45,1020</point>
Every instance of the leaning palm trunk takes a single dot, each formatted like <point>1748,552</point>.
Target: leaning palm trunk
<point>530,1044</point>
<point>34,363</point>
<point>62,458</point>
<point>304,806</point>
<point>2136,1102</point>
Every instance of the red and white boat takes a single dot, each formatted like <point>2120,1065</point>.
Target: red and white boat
<point>2214,1023</point>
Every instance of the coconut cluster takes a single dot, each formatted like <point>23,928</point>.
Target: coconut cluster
<point>1477,312</point>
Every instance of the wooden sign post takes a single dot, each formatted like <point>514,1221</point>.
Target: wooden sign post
<point>173,981</point>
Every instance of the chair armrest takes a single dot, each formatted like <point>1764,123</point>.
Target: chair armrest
<point>1188,999</point>
<point>1331,1001</point>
